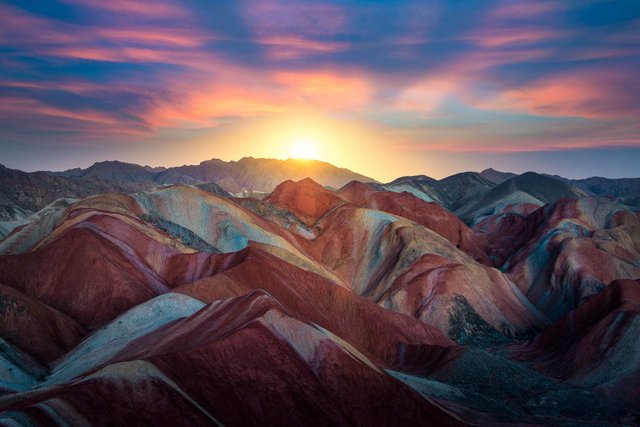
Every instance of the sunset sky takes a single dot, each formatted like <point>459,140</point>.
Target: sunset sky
<point>384,88</point>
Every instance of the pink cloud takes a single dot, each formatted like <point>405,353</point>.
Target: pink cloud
<point>509,36</point>
<point>87,120</point>
<point>526,10</point>
<point>18,26</point>
<point>191,59</point>
<point>130,42</point>
<point>517,137</point>
<point>180,37</point>
<point>491,145</point>
<point>597,94</point>
<point>458,79</point>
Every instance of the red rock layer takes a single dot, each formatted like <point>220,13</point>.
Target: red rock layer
<point>33,327</point>
<point>430,215</point>
<point>389,338</point>
<point>595,344</point>
<point>306,199</point>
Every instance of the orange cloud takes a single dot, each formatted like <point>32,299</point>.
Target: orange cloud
<point>427,95</point>
<point>242,93</point>
<point>326,90</point>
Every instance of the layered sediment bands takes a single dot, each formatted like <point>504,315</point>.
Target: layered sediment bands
<point>579,246</point>
<point>429,215</point>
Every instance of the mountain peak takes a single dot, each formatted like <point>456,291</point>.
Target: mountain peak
<point>495,176</point>
<point>307,199</point>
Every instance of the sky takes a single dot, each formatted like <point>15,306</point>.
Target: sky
<point>385,88</point>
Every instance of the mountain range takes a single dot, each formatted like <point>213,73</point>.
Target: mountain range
<point>480,299</point>
<point>22,193</point>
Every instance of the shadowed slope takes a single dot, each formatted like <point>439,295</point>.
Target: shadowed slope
<point>596,344</point>
<point>504,232</point>
<point>578,247</point>
<point>529,187</point>
<point>93,281</point>
<point>41,331</point>
<point>463,188</point>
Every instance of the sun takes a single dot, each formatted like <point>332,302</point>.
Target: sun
<point>304,148</point>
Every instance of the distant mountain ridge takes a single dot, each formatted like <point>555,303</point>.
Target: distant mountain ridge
<point>529,187</point>
<point>473,195</point>
<point>23,193</point>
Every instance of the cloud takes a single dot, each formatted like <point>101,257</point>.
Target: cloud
<point>502,135</point>
<point>524,10</point>
<point>516,35</point>
<point>327,90</point>
<point>157,9</point>
<point>290,47</point>
<point>596,94</point>
<point>276,18</point>
<point>88,122</point>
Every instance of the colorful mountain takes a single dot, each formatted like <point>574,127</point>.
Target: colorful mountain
<point>363,305</point>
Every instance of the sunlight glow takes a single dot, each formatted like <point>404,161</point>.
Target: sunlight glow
<point>305,136</point>
<point>304,148</point>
